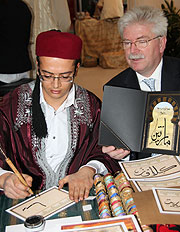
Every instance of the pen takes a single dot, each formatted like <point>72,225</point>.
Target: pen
<point>16,172</point>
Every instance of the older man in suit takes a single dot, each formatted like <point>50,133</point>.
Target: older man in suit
<point>143,31</point>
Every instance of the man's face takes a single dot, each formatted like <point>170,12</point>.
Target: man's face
<point>55,91</point>
<point>144,60</point>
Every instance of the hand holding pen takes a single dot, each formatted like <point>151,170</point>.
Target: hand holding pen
<point>16,172</point>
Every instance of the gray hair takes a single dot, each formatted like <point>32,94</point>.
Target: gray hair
<point>145,15</point>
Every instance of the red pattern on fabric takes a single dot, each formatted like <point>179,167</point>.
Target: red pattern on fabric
<point>165,228</point>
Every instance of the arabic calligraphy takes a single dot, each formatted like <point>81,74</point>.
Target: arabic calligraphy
<point>168,199</point>
<point>161,130</point>
<point>160,137</point>
<point>152,171</point>
<point>32,205</point>
<point>172,204</point>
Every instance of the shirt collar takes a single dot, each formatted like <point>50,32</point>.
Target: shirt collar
<point>156,74</point>
<point>70,100</point>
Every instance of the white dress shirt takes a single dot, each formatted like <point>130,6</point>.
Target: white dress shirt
<point>58,138</point>
<point>156,75</point>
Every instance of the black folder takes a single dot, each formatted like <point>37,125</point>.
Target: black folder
<point>126,118</point>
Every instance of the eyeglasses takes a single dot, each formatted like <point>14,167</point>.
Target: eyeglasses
<point>140,43</point>
<point>63,77</point>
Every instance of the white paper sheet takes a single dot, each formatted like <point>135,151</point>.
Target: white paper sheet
<point>46,204</point>
<point>51,225</point>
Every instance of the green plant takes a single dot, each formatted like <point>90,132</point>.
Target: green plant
<point>173,35</point>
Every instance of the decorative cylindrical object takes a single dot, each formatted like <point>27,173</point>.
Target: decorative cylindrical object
<point>114,198</point>
<point>102,197</point>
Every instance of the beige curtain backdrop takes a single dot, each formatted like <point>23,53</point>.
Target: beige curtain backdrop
<point>154,3</point>
<point>47,14</point>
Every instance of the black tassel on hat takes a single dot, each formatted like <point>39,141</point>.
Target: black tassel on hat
<point>38,119</point>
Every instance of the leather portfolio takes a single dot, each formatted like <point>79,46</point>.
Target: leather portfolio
<point>140,121</point>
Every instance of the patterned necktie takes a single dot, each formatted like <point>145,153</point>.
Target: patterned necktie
<point>150,82</point>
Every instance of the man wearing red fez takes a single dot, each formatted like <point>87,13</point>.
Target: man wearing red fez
<point>49,127</point>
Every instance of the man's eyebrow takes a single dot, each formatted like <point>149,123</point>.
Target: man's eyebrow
<point>141,37</point>
<point>53,73</point>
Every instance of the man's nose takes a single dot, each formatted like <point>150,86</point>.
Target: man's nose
<point>56,82</point>
<point>133,48</point>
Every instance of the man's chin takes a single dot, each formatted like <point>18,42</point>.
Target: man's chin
<point>136,64</point>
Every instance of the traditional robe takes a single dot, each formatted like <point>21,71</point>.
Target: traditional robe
<point>27,151</point>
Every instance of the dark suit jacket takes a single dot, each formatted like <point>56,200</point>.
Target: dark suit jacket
<point>170,81</point>
<point>170,78</point>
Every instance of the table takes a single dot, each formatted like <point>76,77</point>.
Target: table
<point>74,210</point>
<point>98,36</point>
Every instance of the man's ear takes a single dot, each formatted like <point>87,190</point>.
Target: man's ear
<point>37,67</point>
<point>77,68</point>
<point>163,41</point>
<point>78,65</point>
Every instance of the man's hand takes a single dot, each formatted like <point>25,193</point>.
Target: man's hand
<point>115,153</point>
<point>79,183</point>
<point>12,186</point>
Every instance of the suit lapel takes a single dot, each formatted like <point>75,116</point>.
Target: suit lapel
<point>169,76</point>
<point>164,77</point>
<point>132,80</point>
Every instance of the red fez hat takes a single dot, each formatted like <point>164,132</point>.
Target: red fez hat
<point>58,44</point>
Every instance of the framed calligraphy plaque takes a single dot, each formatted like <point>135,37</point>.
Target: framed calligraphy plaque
<point>127,222</point>
<point>46,204</point>
<point>161,123</point>
<point>118,227</point>
<point>149,212</point>
<point>166,182</point>
<point>140,121</point>
<point>160,166</point>
<point>167,200</point>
